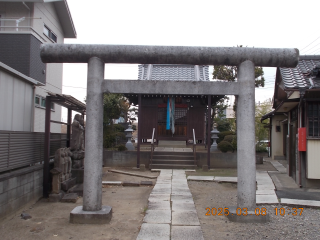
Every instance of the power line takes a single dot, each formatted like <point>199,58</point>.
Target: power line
<point>73,87</point>
<point>310,43</point>
<point>312,47</point>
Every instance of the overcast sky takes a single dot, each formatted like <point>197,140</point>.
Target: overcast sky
<point>266,24</point>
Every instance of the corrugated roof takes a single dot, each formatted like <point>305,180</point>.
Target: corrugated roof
<point>173,72</point>
<point>298,77</point>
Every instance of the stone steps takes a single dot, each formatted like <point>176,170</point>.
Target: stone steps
<point>175,157</point>
<point>173,161</point>
<point>172,166</point>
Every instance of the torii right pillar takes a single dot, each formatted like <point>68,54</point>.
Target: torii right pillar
<point>246,162</point>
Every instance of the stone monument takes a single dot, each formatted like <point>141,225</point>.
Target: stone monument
<point>77,142</point>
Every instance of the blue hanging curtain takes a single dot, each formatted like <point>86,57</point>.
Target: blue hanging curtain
<point>168,114</point>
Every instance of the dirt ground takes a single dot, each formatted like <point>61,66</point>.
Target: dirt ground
<point>51,220</point>
<point>214,195</point>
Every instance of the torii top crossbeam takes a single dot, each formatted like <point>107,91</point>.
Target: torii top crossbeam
<point>233,56</point>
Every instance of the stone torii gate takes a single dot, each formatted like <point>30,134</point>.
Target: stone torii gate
<point>96,56</point>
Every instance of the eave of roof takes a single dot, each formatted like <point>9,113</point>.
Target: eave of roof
<point>298,77</point>
<point>20,75</point>
<point>68,102</point>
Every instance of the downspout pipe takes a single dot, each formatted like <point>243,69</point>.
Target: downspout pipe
<point>302,93</point>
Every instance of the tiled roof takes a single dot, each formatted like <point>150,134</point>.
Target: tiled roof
<point>171,72</point>
<point>298,77</point>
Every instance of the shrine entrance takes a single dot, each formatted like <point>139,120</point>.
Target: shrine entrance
<point>96,56</point>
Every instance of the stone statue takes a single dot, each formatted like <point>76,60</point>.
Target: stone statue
<point>77,142</point>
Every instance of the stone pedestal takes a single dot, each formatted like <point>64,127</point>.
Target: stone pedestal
<point>205,168</point>
<point>142,167</point>
<point>129,144</point>
<point>66,185</point>
<point>214,136</point>
<point>102,216</point>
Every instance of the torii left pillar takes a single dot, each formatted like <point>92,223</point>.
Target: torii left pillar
<point>92,211</point>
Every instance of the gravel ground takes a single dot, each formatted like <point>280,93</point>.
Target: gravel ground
<point>215,195</point>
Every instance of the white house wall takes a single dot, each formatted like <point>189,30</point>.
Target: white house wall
<point>277,137</point>
<point>53,70</point>
<point>48,16</point>
<point>16,103</point>
<point>313,163</point>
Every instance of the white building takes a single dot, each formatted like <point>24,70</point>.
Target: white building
<point>24,79</point>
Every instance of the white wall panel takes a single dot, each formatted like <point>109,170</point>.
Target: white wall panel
<point>6,103</point>
<point>313,159</point>
<point>16,99</point>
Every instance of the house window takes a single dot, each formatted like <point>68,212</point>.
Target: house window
<point>314,120</point>
<point>49,33</point>
<point>37,101</point>
<point>41,102</point>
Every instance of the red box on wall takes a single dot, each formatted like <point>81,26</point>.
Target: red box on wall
<point>302,139</point>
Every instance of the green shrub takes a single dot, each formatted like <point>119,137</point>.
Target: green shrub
<point>134,127</point>
<point>221,135</point>
<point>261,149</point>
<point>229,138</point>
<point>234,143</point>
<point>122,148</point>
<point>225,146</point>
<point>118,128</point>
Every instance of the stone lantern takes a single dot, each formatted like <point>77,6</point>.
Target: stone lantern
<point>214,136</point>
<point>129,144</point>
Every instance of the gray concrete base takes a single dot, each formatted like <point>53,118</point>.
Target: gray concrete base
<point>205,168</point>
<point>251,217</point>
<point>79,216</point>
<point>56,197</point>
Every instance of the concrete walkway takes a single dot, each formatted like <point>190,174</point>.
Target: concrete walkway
<point>171,211</point>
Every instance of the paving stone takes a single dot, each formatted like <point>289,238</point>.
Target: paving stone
<point>159,197</point>
<point>265,187</point>
<point>161,191</point>
<point>70,197</point>
<point>182,198</point>
<point>146,183</point>
<point>265,192</point>
<point>226,179</point>
<point>298,202</point>
<point>130,184</point>
<point>157,216</point>
<point>150,231</point>
<point>117,183</point>
<point>159,205</point>
<point>185,218</point>
<point>186,233</point>
<point>178,205</point>
<point>200,178</point>
<point>267,199</point>
<point>181,193</point>
<point>167,185</point>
